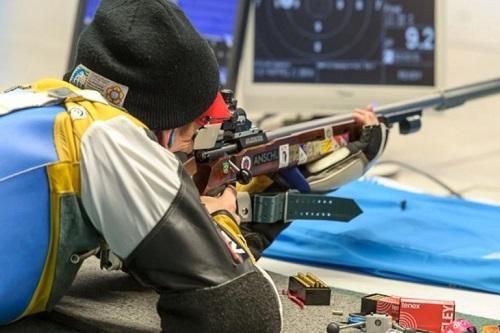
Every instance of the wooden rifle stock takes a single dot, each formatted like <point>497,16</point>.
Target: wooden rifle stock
<point>290,146</point>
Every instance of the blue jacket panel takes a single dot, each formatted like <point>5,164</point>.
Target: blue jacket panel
<point>27,145</point>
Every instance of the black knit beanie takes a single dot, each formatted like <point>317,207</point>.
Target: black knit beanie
<point>168,72</point>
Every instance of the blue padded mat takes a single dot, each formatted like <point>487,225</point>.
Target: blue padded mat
<point>440,240</point>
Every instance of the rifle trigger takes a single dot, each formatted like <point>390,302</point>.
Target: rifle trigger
<point>243,176</point>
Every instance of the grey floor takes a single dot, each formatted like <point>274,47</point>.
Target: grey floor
<point>111,302</point>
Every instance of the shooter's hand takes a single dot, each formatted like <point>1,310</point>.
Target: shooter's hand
<point>365,117</point>
<point>226,201</point>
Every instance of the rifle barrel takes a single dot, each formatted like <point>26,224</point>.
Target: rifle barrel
<point>397,112</point>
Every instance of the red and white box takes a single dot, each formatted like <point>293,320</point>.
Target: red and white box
<point>380,303</point>
<point>389,305</point>
<point>425,314</point>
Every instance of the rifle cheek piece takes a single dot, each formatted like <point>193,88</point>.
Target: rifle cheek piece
<point>336,175</point>
<point>350,162</point>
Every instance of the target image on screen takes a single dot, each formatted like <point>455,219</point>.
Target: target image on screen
<point>372,42</point>
<point>215,20</point>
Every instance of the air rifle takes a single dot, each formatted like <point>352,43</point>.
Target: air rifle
<point>236,151</point>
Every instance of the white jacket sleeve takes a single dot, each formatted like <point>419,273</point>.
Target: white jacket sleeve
<point>128,182</point>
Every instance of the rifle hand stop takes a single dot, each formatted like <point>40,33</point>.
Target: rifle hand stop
<point>411,124</point>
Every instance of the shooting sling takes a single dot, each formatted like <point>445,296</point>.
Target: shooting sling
<point>288,206</point>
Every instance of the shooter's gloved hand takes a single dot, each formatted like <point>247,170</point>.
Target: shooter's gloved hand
<point>225,201</point>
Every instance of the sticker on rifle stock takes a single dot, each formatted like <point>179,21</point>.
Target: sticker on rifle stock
<point>302,155</point>
<point>225,168</point>
<point>246,163</point>
<point>284,156</point>
<point>335,143</point>
<point>326,146</point>
<point>328,132</point>
<point>342,139</point>
<point>265,157</point>
<point>316,147</point>
<point>294,154</point>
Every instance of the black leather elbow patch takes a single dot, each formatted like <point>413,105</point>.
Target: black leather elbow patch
<point>185,249</point>
<point>246,304</point>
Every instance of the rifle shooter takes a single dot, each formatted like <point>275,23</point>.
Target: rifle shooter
<point>236,151</point>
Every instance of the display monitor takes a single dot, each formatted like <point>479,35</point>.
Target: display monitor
<point>327,55</point>
<point>215,20</point>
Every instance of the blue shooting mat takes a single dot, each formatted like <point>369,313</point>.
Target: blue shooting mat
<point>440,240</point>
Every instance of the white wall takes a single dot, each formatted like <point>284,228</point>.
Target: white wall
<point>473,33</point>
<point>35,38</point>
<point>474,22</point>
